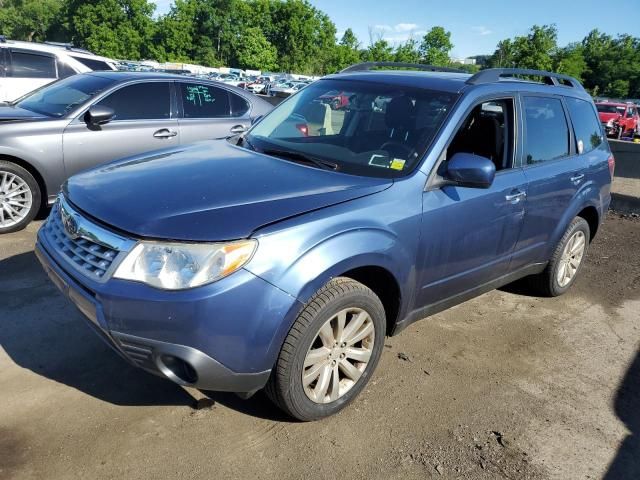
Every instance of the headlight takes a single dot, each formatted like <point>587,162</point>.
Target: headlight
<point>176,266</point>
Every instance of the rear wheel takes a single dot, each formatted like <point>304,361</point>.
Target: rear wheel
<point>19,197</point>
<point>566,261</point>
<point>330,351</point>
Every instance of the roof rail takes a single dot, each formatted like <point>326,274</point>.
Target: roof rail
<point>67,46</point>
<point>366,66</point>
<point>492,75</point>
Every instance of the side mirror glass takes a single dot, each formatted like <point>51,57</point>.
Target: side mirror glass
<point>98,115</point>
<point>469,170</point>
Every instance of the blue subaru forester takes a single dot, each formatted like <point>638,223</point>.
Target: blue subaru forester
<point>281,258</point>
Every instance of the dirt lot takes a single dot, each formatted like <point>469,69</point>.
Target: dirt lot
<point>505,386</point>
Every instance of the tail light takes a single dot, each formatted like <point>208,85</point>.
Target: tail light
<point>303,128</point>
<point>612,164</point>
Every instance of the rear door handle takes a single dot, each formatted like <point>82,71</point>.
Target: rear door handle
<point>165,133</point>
<point>577,178</point>
<point>515,196</point>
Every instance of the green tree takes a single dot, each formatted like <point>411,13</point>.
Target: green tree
<point>570,61</point>
<point>254,51</point>
<point>114,28</point>
<point>503,55</point>
<point>536,49</point>
<point>407,52</point>
<point>435,47</point>
<point>345,53</point>
<point>379,51</point>
<point>29,20</point>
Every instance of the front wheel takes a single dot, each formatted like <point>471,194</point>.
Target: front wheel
<point>567,259</point>
<point>330,352</point>
<point>19,197</point>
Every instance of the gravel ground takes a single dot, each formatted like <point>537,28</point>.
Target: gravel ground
<point>504,386</point>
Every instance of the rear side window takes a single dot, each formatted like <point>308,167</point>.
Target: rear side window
<point>97,65</point>
<point>586,124</point>
<point>141,101</point>
<point>546,131</point>
<point>239,106</point>
<point>204,101</point>
<point>28,65</point>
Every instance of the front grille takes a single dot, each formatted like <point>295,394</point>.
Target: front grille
<point>88,248</point>
<point>91,257</point>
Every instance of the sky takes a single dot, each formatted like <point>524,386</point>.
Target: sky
<point>476,26</point>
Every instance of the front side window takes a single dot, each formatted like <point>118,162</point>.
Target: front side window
<point>204,101</point>
<point>487,132</point>
<point>63,96</point>
<point>362,128</point>
<point>141,101</point>
<point>546,131</point>
<point>28,65</point>
<point>586,124</point>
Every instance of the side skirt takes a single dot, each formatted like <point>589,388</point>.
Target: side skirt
<point>454,300</point>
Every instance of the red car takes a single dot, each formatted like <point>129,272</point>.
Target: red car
<point>619,119</point>
<point>335,99</point>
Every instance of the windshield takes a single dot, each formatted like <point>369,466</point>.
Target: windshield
<point>59,98</point>
<point>376,130</point>
<point>610,109</point>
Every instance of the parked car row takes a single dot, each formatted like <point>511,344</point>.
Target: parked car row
<point>619,119</point>
<point>281,257</point>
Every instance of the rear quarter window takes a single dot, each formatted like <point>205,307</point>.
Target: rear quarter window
<point>586,124</point>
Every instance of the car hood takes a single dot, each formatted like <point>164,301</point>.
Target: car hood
<point>211,191</point>
<point>605,117</point>
<point>8,113</point>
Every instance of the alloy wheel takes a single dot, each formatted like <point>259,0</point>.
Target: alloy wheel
<point>15,199</point>
<point>338,356</point>
<point>571,258</point>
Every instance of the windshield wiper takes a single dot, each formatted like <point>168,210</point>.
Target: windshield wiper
<point>300,157</point>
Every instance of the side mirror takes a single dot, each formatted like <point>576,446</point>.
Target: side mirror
<point>255,120</point>
<point>98,115</point>
<point>469,170</point>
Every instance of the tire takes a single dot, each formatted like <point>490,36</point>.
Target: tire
<point>547,283</point>
<point>285,387</point>
<point>14,178</point>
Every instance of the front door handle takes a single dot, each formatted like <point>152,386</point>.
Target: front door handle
<point>577,178</point>
<point>165,133</point>
<point>237,129</point>
<point>515,196</point>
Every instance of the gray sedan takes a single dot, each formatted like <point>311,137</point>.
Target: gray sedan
<point>93,118</point>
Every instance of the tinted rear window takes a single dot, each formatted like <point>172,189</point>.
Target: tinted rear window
<point>27,65</point>
<point>546,134</point>
<point>97,65</point>
<point>204,101</point>
<point>586,124</point>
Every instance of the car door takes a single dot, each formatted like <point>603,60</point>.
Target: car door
<point>468,234</point>
<point>144,121</point>
<point>27,70</point>
<point>554,173</point>
<point>209,112</point>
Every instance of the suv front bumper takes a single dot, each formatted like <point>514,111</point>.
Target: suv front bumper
<point>241,321</point>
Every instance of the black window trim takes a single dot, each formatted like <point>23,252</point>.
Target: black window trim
<point>567,118</point>
<point>433,178</point>
<point>180,102</point>
<point>9,60</point>
<point>4,62</point>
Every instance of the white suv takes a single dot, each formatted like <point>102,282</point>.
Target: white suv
<point>25,66</point>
